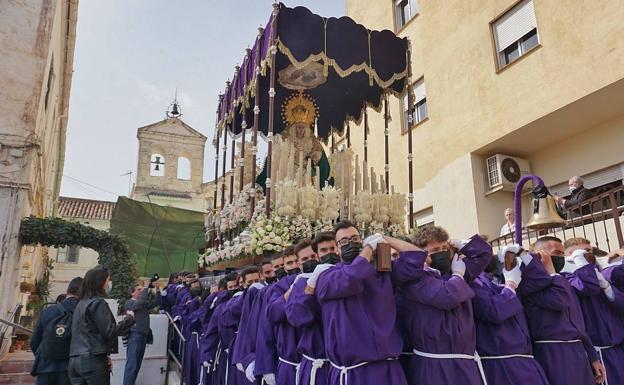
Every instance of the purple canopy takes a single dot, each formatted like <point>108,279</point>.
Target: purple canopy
<point>358,67</point>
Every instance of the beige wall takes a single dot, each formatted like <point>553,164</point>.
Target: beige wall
<point>473,109</point>
<point>87,259</point>
<point>37,35</point>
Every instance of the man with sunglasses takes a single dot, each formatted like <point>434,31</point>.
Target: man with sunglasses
<point>602,306</point>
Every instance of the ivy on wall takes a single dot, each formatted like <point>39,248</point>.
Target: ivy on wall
<point>113,251</point>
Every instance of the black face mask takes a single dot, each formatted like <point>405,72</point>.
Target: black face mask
<point>280,273</point>
<point>558,262</point>
<point>308,266</point>
<point>233,291</point>
<point>350,251</point>
<point>294,271</point>
<point>441,261</point>
<point>331,258</point>
<point>270,280</point>
<point>196,292</point>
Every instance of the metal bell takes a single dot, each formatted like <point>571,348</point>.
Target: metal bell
<point>545,215</point>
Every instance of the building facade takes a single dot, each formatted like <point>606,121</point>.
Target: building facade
<point>74,261</point>
<point>170,165</point>
<point>538,82</point>
<point>37,42</point>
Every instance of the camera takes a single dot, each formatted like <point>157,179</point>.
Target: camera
<point>155,278</point>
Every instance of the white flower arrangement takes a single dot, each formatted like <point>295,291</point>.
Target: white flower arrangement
<point>322,225</point>
<point>268,234</point>
<point>373,228</point>
<point>395,230</point>
<point>300,228</point>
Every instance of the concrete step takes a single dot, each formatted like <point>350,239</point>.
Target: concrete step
<point>16,379</point>
<point>17,362</point>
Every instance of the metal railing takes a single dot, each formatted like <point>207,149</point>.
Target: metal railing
<point>10,323</point>
<point>598,219</point>
<point>176,346</point>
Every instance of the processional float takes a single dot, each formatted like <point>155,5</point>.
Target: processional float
<point>300,84</point>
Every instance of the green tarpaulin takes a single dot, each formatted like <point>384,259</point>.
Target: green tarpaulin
<point>161,239</point>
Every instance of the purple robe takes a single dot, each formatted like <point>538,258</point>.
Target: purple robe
<point>190,324</point>
<point>265,353</point>
<point>183,295</point>
<point>440,319</point>
<point>358,315</point>
<point>245,342</point>
<point>615,275</point>
<point>604,319</point>
<point>210,347</point>
<point>304,312</point>
<point>554,314</point>
<point>286,335</point>
<point>168,300</point>
<point>228,327</point>
<point>502,330</point>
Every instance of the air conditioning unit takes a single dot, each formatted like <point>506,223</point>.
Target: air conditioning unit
<point>504,171</point>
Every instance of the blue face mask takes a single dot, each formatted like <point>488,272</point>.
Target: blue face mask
<point>109,287</point>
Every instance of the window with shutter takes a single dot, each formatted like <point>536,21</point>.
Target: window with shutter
<point>404,11</point>
<point>515,33</point>
<point>419,110</point>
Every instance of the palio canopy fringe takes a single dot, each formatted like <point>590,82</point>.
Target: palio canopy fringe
<point>342,65</point>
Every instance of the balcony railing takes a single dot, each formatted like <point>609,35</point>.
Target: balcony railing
<point>598,219</point>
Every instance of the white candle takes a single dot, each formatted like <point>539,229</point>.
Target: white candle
<point>373,178</point>
<point>308,176</point>
<point>318,178</point>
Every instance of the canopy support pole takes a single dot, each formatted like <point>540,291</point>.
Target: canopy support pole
<point>256,123</point>
<point>216,173</point>
<point>410,125</point>
<point>366,137</point>
<point>224,155</point>
<point>241,161</point>
<point>348,135</point>
<point>271,109</point>
<point>386,145</point>
<point>233,157</point>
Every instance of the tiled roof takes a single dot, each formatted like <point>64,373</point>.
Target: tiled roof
<point>170,194</point>
<point>85,208</point>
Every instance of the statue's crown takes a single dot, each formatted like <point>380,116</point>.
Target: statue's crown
<point>299,108</point>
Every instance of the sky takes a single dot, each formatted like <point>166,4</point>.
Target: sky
<point>130,57</point>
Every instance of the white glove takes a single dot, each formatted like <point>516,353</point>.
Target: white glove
<point>460,243</point>
<point>458,267</point>
<point>373,240</point>
<point>269,379</point>
<point>249,372</point>
<point>163,292</point>
<point>318,270</point>
<point>569,266</point>
<point>240,367</point>
<point>514,275</point>
<point>602,280</point>
<point>578,256</point>
<point>205,364</point>
<point>515,248</point>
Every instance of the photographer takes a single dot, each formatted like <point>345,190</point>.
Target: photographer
<point>94,331</point>
<point>141,302</point>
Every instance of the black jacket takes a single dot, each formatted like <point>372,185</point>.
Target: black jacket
<point>48,314</point>
<point>94,329</point>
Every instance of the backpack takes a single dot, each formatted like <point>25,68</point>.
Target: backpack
<point>57,335</point>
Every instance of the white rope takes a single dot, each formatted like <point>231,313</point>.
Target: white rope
<point>296,365</point>
<point>317,363</point>
<point>474,357</point>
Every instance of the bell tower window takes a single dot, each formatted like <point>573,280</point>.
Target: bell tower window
<point>184,168</point>
<point>157,165</point>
